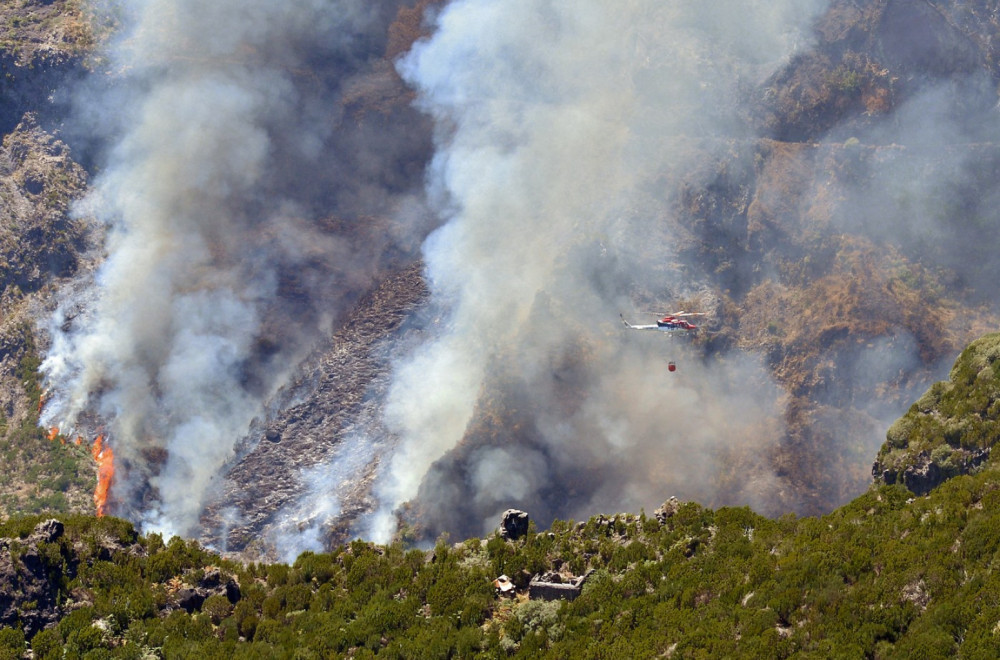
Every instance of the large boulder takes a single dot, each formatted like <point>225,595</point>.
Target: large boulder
<point>513,524</point>
<point>667,510</point>
<point>213,583</point>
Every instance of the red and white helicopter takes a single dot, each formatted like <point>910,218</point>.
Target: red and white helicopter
<point>675,322</point>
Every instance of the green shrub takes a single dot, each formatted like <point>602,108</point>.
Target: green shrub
<point>47,644</point>
<point>217,608</point>
<point>12,643</point>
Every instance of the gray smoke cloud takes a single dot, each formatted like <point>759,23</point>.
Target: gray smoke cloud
<point>246,203</point>
<point>557,126</point>
<point>928,179</point>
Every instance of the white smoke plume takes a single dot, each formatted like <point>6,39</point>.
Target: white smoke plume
<point>232,170</point>
<point>559,127</point>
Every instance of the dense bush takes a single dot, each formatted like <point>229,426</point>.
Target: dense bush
<point>887,575</point>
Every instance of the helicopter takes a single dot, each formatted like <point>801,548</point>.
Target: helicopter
<point>675,322</point>
<point>668,323</point>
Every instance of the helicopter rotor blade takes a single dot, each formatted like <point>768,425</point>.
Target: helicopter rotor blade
<point>676,314</point>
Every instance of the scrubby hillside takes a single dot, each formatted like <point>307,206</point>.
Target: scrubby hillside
<point>40,245</point>
<point>888,575</point>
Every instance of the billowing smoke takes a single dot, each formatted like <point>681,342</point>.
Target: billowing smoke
<point>559,126</point>
<point>248,197</point>
<point>586,156</point>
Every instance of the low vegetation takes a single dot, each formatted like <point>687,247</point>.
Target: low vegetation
<point>887,576</point>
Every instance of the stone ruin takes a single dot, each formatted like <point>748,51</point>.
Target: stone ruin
<point>552,586</point>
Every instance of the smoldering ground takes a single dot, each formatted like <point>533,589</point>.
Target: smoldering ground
<point>249,197</point>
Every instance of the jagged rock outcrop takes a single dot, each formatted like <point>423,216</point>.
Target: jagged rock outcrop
<point>923,474</point>
<point>667,510</point>
<point>34,571</point>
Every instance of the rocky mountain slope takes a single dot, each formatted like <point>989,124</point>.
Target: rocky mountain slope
<point>40,244</point>
<point>852,308</point>
<point>848,247</point>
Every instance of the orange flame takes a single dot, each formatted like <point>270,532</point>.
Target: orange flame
<point>54,433</point>
<point>105,459</point>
